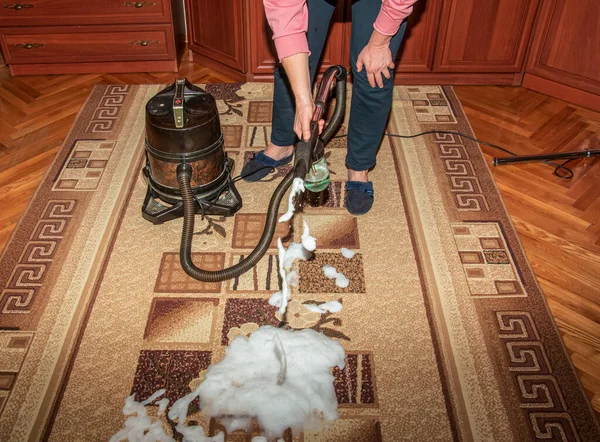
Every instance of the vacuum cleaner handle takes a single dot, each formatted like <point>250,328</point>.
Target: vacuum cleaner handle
<point>308,151</point>
<point>339,73</point>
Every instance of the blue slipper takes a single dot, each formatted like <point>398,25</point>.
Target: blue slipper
<point>359,197</point>
<point>261,165</point>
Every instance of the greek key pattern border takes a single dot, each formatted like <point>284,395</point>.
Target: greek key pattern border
<point>32,267</point>
<point>106,113</point>
<point>464,184</point>
<point>540,395</point>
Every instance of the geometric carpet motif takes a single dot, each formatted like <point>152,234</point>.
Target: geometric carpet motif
<point>446,332</point>
<point>487,261</point>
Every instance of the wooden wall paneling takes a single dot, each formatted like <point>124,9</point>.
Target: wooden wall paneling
<point>333,52</point>
<point>566,46</point>
<point>262,49</point>
<point>484,35</point>
<point>454,78</point>
<point>418,47</point>
<point>263,57</point>
<point>69,12</point>
<point>216,30</point>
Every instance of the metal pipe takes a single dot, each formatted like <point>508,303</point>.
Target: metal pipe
<point>546,157</point>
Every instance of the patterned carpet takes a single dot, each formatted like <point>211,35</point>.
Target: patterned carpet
<point>446,332</point>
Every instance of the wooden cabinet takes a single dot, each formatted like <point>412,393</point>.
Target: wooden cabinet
<point>61,44</point>
<point>418,47</point>
<point>69,12</point>
<point>565,53</point>
<point>484,35</point>
<point>447,41</point>
<point>216,30</point>
<point>262,50</point>
<point>71,36</point>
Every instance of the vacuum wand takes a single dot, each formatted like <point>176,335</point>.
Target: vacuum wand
<point>308,151</point>
<point>546,157</point>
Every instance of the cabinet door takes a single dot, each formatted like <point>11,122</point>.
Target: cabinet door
<point>262,49</point>
<point>418,47</point>
<point>566,46</point>
<point>484,35</point>
<point>216,30</point>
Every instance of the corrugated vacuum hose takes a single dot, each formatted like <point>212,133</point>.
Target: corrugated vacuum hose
<point>184,176</point>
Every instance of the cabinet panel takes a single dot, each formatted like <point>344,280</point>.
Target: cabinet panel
<point>84,44</point>
<point>216,30</point>
<point>262,49</point>
<point>65,12</point>
<point>418,46</point>
<point>484,35</point>
<point>566,47</point>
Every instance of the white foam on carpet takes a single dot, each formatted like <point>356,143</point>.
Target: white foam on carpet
<point>281,378</point>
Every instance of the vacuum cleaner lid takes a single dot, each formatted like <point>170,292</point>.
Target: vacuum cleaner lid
<point>182,118</point>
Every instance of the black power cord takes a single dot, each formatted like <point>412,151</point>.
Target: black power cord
<point>560,170</point>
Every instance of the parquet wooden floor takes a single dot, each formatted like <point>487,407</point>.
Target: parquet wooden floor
<point>558,221</point>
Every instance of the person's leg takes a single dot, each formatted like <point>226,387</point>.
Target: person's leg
<point>369,108</point>
<point>282,135</point>
<point>281,147</point>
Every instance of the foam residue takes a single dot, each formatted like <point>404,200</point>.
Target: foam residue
<point>347,253</point>
<point>289,276</point>
<point>331,273</point>
<point>309,242</point>
<point>331,306</point>
<point>341,281</point>
<point>245,383</point>
<point>275,299</point>
<point>297,189</point>
<point>294,251</point>
<point>139,427</point>
<point>314,308</point>
<point>293,278</point>
<point>285,289</point>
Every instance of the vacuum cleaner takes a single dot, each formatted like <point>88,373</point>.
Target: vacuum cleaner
<point>188,171</point>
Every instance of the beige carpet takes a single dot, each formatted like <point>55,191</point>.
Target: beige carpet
<point>447,334</point>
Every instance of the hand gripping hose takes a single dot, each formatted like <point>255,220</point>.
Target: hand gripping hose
<point>301,165</point>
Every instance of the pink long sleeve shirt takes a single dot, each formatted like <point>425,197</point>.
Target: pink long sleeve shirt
<point>289,21</point>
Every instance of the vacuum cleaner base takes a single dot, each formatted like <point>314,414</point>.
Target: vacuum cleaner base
<point>159,207</point>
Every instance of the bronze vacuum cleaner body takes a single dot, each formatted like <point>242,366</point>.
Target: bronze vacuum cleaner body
<point>188,171</point>
<point>183,127</point>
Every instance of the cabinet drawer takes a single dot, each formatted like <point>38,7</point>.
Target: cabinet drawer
<point>70,12</point>
<point>74,44</point>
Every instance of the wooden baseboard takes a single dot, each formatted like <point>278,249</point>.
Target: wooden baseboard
<point>94,68</point>
<point>562,92</point>
<point>453,79</point>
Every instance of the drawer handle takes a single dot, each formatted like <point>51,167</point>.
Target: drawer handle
<point>144,42</point>
<point>18,6</point>
<point>139,4</point>
<point>29,45</point>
